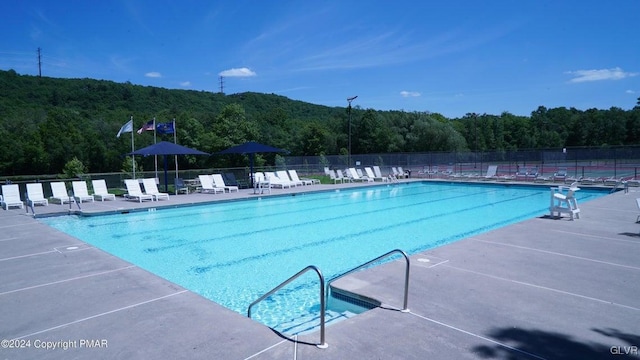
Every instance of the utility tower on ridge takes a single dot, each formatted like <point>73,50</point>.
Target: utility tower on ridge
<point>39,62</point>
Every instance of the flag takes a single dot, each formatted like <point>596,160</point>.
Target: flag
<point>128,127</point>
<point>165,128</point>
<point>147,127</point>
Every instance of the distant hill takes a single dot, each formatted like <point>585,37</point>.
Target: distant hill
<point>46,122</point>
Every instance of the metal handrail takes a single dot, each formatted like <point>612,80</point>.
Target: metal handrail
<point>322,344</point>
<point>406,276</point>
<point>624,184</point>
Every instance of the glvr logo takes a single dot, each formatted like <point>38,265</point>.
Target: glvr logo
<point>624,350</point>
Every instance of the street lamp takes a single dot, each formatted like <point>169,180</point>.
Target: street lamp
<point>350,99</point>
<point>475,127</point>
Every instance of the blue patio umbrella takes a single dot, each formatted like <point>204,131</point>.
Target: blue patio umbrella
<point>167,148</point>
<point>251,148</point>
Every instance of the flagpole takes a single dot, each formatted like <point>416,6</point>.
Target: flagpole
<point>133,161</point>
<point>154,142</point>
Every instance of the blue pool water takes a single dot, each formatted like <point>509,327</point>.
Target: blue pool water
<point>234,252</point>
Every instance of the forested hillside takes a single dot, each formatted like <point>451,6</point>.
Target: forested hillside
<point>46,122</point>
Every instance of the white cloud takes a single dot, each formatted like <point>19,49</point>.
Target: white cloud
<point>630,92</point>
<point>409,93</point>
<point>240,72</point>
<point>185,83</point>
<point>597,75</point>
<point>153,74</point>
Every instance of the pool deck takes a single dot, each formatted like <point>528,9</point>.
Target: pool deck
<point>540,289</point>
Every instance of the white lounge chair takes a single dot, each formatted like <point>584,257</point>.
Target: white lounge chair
<point>404,173</point>
<point>151,188</point>
<point>293,174</point>
<point>35,195</point>
<point>100,191</point>
<point>134,192</point>
<point>80,192</point>
<point>397,173</point>
<point>218,181</point>
<point>491,172</point>
<point>448,172</point>
<point>377,172</point>
<point>356,177</point>
<point>206,185</point>
<point>284,175</point>
<point>334,177</point>
<point>59,193</point>
<point>11,196</point>
<point>340,176</point>
<point>276,181</point>
<point>372,175</point>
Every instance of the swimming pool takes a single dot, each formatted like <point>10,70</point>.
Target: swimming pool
<point>234,252</point>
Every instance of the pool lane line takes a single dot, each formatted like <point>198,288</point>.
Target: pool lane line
<point>269,227</point>
<point>101,314</point>
<point>272,213</point>
<point>343,237</point>
<point>477,336</point>
<point>66,280</point>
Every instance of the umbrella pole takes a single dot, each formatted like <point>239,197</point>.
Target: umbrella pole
<point>166,186</point>
<point>251,168</point>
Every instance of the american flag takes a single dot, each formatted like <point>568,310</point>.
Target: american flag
<point>147,127</point>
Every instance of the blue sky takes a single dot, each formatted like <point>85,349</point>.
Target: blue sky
<point>450,57</point>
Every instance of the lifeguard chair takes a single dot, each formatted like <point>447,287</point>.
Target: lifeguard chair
<point>564,202</point>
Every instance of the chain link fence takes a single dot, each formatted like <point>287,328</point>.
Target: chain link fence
<point>593,163</point>
<point>615,162</point>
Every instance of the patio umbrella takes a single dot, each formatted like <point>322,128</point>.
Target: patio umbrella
<point>167,148</point>
<point>251,148</point>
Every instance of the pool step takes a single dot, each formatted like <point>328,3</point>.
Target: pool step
<point>342,305</point>
<point>311,322</point>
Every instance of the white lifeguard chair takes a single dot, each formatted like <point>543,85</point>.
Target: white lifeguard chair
<point>564,202</point>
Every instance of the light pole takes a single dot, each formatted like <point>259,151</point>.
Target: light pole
<point>475,127</point>
<point>349,100</point>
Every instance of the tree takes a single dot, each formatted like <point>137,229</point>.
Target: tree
<point>233,128</point>
<point>74,168</point>
<point>128,165</point>
<point>313,139</point>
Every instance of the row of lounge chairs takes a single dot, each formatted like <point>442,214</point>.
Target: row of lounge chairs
<point>214,184</point>
<point>370,174</point>
<point>280,179</point>
<point>530,174</point>
<point>151,192</point>
<point>35,195</point>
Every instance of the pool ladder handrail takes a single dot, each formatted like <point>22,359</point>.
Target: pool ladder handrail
<point>322,344</point>
<point>406,276</point>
